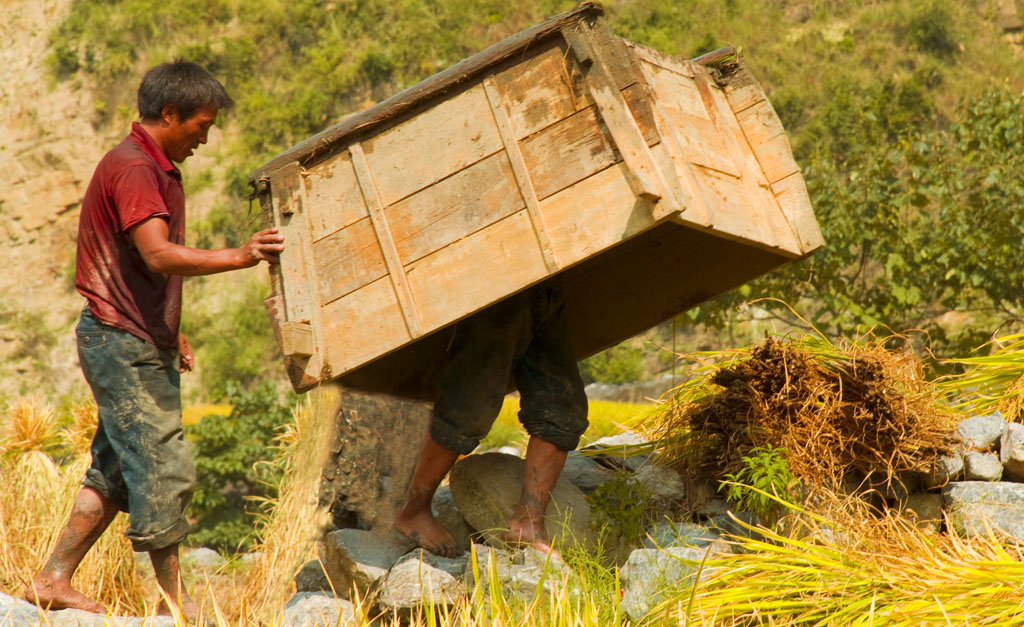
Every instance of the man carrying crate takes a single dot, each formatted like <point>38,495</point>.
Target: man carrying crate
<point>524,337</point>
<point>131,257</point>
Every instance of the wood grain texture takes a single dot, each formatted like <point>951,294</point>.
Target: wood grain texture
<point>297,339</point>
<point>362,326</point>
<point>476,271</point>
<point>333,194</point>
<point>348,259</point>
<point>384,237</point>
<point>594,214</point>
<point>542,90</point>
<point>791,194</point>
<point>454,208</point>
<point>521,172</point>
<point>444,139</point>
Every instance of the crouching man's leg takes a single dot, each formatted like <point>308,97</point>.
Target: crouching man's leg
<point>51,588</point>
<point>414,519</point>
<point>553,409</point>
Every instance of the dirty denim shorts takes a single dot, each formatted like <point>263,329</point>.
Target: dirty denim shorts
<point>140,460</point>
<point>525,339</point>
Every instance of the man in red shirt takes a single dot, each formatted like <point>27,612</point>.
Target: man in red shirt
<point>131,257</point>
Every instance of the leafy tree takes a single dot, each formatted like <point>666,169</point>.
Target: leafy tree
<point>229,452</point>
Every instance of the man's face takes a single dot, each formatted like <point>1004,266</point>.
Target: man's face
<point>183,137</point>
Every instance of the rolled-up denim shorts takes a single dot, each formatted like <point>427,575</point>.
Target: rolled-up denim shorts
<point>524,339</point>
<point>140,460</point>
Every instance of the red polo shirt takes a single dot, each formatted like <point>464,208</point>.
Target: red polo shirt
<point>133,182</point>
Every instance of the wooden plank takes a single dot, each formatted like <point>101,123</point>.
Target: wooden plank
<point>455,281</point>
<point>296,339</point>
<point>742,90</point>
<point>566,152</point>
<point>286,197</point>
<point>768,140</point>
<point>387,244</point>
<point>453,208</point>
<point>522,174</point>
<point>777,231</point>
<point>760,123</point>
<point>442,140</point>
<point>646,180</point>
<point>362,326</point>
<point>791,194</point>
<point>443,82</point>
<point>348,259</point>
<point>578,231</point>
<point>660,59</point>
<point>542,90</point>
<point>679,102</point>
<point>333,194</point>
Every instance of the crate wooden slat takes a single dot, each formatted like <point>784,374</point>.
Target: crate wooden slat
<point>646,182</point>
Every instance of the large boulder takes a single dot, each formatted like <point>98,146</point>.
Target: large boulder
<point>359,559</point>
<point>522,573</point>
<point>586,473</point>
<point>312,578</point>
<point>975,507</point>
<point>678,534</point>
<point>486,489</point>
<point>19,613</point>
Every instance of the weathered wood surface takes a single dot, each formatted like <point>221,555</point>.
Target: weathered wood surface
<point>546,154</point>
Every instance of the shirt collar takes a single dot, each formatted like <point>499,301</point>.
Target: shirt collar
<point>150,147</point>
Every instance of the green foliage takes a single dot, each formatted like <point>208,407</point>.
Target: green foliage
<point>767,471</point>
<point>230,456</point>
<point>619,364</point>
<point>619,509</point>
<point>929,27</point>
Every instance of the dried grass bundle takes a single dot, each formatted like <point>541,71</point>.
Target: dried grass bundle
<point>833,409</point>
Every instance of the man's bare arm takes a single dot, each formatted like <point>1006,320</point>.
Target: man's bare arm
<point>163,256</point>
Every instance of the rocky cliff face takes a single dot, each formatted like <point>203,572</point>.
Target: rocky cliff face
<point>48,148</point>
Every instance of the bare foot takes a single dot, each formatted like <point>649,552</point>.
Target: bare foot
<point>55,594</point>
<point>525,532</point>
<point>423,529</point>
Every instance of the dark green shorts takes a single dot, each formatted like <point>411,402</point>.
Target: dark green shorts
<point>140,460</point>
<point>523,339</point>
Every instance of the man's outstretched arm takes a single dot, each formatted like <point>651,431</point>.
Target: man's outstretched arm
<point>163,256</point>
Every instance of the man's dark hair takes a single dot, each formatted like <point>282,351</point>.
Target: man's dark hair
<point>183,84</point>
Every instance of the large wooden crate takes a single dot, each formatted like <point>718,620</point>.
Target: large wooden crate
<point>650,183</point>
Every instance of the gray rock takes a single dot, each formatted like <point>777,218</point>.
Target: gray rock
<point>982,466</point>
<point>521,574</point>
<point>360,559</point>
<point>675,534</point>
<point>981,432</point>
<point>660,482</point>
<point>1011,452</point>
<point>454,566</point>
<point>651,574</point>
<point>737,524</point>
<point>947,468</point>
<point>486,489</point>
<point>449,516</point>
<point>312,578</point>
<point>586,473</point>
<point>714,507</point>
<point>318,609</point>
<point>973,507</point>
<point>202,557</point>
<point>416,582</point>
<point>926,511</point>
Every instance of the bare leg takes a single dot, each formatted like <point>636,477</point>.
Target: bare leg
<point>51,588</point>
<point>413,517</point>
<point>544,462</point>
<point>168,575</point>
